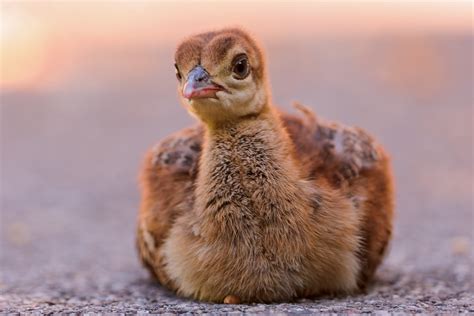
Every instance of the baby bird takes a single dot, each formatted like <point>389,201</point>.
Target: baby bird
<point>255,205</point>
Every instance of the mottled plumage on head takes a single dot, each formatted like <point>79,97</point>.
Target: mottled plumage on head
<point>221,75</point>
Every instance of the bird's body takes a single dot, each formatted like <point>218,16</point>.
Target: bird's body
<point>258,205</point>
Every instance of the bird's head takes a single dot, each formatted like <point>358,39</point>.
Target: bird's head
<point>221,75</point>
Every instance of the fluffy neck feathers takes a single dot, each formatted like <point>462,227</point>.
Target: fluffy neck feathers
<point>248,175</point>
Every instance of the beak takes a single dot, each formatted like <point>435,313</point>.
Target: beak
<point>199,85</point>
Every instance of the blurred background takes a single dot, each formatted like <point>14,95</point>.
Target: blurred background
<point>88,86</point>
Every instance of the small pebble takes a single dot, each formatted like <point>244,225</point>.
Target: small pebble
<point>231,299</point>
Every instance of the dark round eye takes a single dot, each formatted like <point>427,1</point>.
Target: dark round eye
<point>178,74</point>
<point>240,67</point>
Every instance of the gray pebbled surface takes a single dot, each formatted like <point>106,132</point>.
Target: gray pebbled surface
<point>393,292</point>
<point>70,156</point>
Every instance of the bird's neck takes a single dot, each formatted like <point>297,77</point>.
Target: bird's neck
<point>247,171</point>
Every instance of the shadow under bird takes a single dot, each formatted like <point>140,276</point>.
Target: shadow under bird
<point>253,204</point>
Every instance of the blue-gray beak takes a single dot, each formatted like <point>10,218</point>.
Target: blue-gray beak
<point>199,84</point>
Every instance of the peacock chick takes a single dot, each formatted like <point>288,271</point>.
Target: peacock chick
<point>253,204</point>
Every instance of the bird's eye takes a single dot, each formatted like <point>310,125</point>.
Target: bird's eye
<point>240,67</point>
<point>178,74</point>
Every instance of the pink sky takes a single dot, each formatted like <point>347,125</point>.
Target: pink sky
<point>36,36</point>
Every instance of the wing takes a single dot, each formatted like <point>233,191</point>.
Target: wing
<point>354,163</point>
<point>331,150</point>
<point>167,179</point>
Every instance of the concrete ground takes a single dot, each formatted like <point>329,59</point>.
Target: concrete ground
<point>70,156</point>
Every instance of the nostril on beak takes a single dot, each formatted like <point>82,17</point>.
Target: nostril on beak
<point>202,77</point>
<point>199,75</point>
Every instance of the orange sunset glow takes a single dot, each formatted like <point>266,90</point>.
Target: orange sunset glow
<point>41,41</point>
<point>24,48</point>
